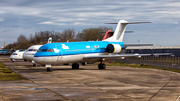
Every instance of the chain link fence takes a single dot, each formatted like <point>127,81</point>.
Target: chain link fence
<point>170,62</point>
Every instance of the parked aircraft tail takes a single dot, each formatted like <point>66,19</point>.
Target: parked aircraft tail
<point>49,40</point>
<point>119,31</point>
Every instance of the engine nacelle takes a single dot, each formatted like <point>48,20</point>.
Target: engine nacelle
<point>113,48</point>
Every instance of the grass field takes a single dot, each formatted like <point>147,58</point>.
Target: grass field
<point>7,74</point>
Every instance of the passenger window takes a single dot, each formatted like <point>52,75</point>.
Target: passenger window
<point>35,50</point>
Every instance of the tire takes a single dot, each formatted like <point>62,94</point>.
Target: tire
<point>34,65</point>
<point>12,60</point>
<point>75,66</point>
<point>101,66</point>
<point>49,69</point>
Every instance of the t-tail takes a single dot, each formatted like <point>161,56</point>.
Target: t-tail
<point>120,29</point>
<point>49,40</point>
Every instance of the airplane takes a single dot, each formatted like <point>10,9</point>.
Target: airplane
<point>29,53</point>
<point>76,52</point>
<point>17,55</point>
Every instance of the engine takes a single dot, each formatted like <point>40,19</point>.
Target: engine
<point>113,48</point>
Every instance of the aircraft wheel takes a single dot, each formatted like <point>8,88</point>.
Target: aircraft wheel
<point>34,65</point>
<point>84,63</point>
<point>75,66</point>
<point>49,69</point>
<point>102,66</point>
<point>12,60</point>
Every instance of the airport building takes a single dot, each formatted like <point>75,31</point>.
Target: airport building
<point>150,49</point>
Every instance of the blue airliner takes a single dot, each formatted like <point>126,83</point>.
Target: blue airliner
<point>81,52</point>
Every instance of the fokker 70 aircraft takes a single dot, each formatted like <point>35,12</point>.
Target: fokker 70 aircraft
<point>75,52</point>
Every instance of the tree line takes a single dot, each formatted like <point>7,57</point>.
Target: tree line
<point>40,38</point>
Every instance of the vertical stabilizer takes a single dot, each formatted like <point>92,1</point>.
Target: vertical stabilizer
<point>49,40</point>
<point>119,31</point>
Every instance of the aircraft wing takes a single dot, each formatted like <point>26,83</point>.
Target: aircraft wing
<point>123,55</point>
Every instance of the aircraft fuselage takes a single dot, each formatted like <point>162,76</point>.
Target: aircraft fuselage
<point>69,52</point>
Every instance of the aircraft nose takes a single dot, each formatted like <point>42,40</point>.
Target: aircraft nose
<point>38,60</point>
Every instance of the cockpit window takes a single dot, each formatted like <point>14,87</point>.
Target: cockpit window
<point>35,50</point>
<point>14,54</point>
<point>50,50</point>
<point>39,50</point>
<point>30,49</point>
<point>43,50</point>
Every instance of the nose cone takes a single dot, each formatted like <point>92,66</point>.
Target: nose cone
<point>11,56</point>
<point>28,56</point>
<point>38,60</point>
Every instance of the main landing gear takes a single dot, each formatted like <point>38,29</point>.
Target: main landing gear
<point>101,65</point>
<point>75,66</point>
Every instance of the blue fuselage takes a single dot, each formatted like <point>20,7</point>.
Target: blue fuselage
<point>72,48</point>
<point>55,53</point>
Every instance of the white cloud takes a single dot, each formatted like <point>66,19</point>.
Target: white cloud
<point>52,23</point>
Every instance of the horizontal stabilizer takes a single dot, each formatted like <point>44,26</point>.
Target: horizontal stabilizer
<point>129,22</point>
<point>125,32</point>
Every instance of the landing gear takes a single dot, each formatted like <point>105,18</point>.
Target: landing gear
<point>75,66</point>
<point>101,65</point>
<point>34,65</point>
<point>49,69</point>
<point>84,63</point>
<point>12,60</point>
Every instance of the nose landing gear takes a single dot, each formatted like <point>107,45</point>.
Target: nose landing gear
<point>49,69</point>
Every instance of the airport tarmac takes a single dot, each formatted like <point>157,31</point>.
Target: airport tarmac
<point>116,83</point>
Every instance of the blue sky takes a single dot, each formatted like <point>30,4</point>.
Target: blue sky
<point>29,16</point>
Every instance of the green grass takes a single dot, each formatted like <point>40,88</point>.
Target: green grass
<point>7,74</point>
<point>140,66</point>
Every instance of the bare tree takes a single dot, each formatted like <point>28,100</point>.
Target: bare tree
<point>68,34</point>
<point>92,34</point>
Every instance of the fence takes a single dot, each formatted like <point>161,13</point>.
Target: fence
<point>170,62</point>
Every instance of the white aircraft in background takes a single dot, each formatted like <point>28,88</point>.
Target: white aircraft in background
<point>29,53</point>
<point>17,55</point>
<point>75,52</point>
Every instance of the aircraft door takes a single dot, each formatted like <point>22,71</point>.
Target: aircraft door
<point>60,53</point>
